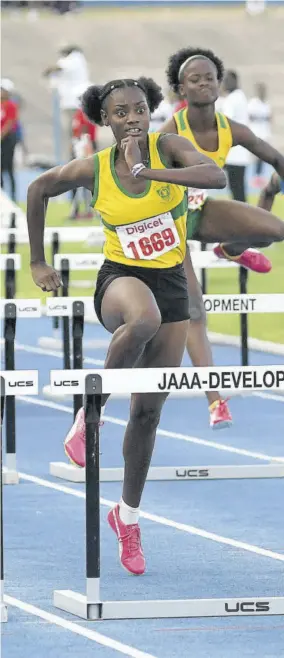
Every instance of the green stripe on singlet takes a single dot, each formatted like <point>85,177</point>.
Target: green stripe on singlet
<point>222,120</point>
<point>181,114</point>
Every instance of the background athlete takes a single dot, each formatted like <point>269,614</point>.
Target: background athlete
<point>195,74</point>
<point>141,293</point>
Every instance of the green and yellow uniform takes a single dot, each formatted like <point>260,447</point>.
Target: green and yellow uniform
<point>197,198</point>
<point>148,229</point>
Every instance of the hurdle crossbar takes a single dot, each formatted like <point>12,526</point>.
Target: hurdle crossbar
<point>165,380</point>
<point>90,606</point>
<point>214,304</point>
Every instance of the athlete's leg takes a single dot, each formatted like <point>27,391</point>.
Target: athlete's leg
<point>198,345</point>
<point>164,350</point>
<point>236,177</point>
<point>197,342</point>
<point>130,312</point>
<point>244,225</point>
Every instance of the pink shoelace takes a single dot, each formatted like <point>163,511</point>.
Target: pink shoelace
<point>133,537</point>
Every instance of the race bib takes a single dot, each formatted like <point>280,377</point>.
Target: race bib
<point>196,198</point>
<point>149,238</point>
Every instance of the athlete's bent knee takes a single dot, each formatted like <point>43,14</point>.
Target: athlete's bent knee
<point>144,327</point>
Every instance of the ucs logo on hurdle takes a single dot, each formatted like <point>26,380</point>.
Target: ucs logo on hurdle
<point>247,607</point>
<point>20,382</point>
<point>187,473</point>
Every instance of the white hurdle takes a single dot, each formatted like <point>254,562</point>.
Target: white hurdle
<point>213,304</point>
<point>92,235</point>
<point>56,306</point>
<point>90,606</point>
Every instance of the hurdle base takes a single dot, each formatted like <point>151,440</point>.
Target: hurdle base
<point>10,476</point>
<point>77,604</point>
<point>71,473</point>
<point>3,613</point>
<point>67,472</point>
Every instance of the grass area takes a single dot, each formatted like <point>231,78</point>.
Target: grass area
<point>263,326</point>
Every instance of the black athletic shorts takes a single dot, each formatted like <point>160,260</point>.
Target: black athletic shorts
<point>168,285</point>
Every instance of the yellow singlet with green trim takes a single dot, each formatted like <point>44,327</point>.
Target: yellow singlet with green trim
<point>147,229</point>
<point>197,197</point>
<point>225,139</point>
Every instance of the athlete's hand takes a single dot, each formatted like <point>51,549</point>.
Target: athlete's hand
<point>131,150</point>
<point>45,276</point>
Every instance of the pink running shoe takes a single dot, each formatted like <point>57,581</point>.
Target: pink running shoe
<point>220,416</point>
<point>251,259</point>
<point>75,442</point>
<point>129,543</point>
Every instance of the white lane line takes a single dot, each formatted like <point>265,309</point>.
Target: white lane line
<point>192,530</point>
<point>270,396</point>
<point>160,432</point>
<point>59,355</point>
<point>76,628</point>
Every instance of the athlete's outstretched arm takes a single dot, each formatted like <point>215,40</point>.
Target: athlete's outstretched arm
<point>77,173</point>
<point>243,136</point>
<point>196,170</point>
<point>269,192</point>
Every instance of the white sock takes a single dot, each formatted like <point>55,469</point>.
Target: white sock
<point>128,515</point>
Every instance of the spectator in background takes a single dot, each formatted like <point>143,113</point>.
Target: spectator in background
<point>234,105</point>
<point>163,113</point>
<point>84,144</point>
<point>21,148</point>
<point>260,116</point>
<point>9,117</point>
<point>70,72</point>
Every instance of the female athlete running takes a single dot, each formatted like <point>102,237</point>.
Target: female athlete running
<point>195,74</point>
<point>141,294</point>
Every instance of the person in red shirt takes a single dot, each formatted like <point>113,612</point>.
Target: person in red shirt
<point>9,116</point>
<point>82,126</point>
<point>83,145</point>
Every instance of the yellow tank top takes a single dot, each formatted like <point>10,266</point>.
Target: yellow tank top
<point>225,139</point>
<point>147,229</point>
